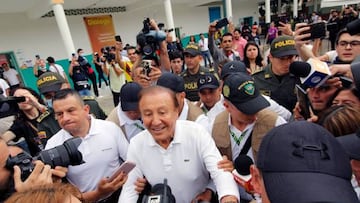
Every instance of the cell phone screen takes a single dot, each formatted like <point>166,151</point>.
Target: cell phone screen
<point>118,38</point>
<point>125,167</point>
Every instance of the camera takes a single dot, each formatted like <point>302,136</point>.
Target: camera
<point>8,105</point>
<point>148,39</point>
<point>63,155</point>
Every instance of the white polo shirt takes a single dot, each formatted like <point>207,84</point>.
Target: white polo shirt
<point>186,163</point>
<point>11,76</point>
<point>102,150</point>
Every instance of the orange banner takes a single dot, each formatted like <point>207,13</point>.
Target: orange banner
<point>101,31</point>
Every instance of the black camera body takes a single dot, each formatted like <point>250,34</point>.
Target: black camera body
<point>149,39</point>
<point>8,105</point>
<point>62,155</point>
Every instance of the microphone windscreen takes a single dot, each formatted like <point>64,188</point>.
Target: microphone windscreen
<point>242,164</point>
<point>300,69</point>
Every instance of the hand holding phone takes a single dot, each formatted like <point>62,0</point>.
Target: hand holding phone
<point>146,64</point>
<point>317,30</point>
<point>222,23</point>
<point>125,167</point>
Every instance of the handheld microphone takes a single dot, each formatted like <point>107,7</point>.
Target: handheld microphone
<point>241,172</point>
<point>160,193</point>
<point>312,73</point>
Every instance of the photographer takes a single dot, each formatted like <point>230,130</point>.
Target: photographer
<point>34,122</point>
<point>83,62</point>
<point>79,78</point>
<point>11,182</point>
<point>98,66</point>
<point>115,73</point>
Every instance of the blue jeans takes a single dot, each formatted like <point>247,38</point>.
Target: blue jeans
<point>206,57</point>
<point>85,92</point>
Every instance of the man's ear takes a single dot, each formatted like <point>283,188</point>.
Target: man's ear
<point>256,179</point>
<point>87,108</point>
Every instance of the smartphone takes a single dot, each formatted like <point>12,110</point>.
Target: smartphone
<point>118,38</point>
<point>317,30</point>
<point>37,57</point>
<point>125,167</point>
<point>146,64</point>
<point>304,102</point>
<point>222,23</point>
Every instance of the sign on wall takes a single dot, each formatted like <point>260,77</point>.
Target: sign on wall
<point>101,31</point>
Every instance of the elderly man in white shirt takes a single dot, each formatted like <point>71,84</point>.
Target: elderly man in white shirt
<point>180,151</point>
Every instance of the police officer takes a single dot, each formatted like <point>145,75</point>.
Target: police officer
<point>192,55</point>
<point>275,80</point>
<point>49,83</point>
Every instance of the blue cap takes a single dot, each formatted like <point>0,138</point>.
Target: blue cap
<point>129,96</point>
<point>171,81</point>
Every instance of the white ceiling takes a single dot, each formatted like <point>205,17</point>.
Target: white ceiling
<point>37,8</point>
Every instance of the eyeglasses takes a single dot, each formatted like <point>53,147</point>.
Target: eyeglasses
<point>207,79</point>
<point>344,44</point>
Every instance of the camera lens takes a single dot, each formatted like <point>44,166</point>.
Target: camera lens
<point>147,50</point>
<point>63,155</point>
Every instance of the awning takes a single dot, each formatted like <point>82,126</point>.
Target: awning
<point>332,3</point>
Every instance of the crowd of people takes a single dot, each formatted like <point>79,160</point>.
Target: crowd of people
<point>187,115</point>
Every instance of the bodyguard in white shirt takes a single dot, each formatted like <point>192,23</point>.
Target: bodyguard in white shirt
<point>103,147</point>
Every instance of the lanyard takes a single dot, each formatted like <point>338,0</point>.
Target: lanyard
<point>139,126</point>
<point>238,139</point>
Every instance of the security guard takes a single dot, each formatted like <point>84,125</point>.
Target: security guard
<point>50,82</point>
<point>193,57</point>
<point>275,80</point>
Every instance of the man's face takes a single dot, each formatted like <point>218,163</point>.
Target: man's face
<point>238,116</point>
<point>192,62</point>
<point>209,97</point>
<point>227,43</point>
<point>346,97</point>
<point>71,114</point>
<point>237,35</point>
<point>133,115</point>
<point>42,63</point>
<point>159,115</point>
<point>348,47</point>
<point>176,65</point>
<point>280,66</point>
<point>133,56</point>
<point>320,96</point>
<point>5,66</point>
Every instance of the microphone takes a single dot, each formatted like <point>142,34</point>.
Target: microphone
<point>241,172</point>
<point>160,193</point>
<point>312,73</point>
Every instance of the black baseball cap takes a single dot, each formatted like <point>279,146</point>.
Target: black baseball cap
<point>208,80</point>
<point>351,144</point>
<point>232,67</point>
<point>192,49</point>
<point>241,91</point>
<point>303,162</point>
<point>49,82</point>
<point>283,46</point>
<point>172,81</point>
<point>129,96</point>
